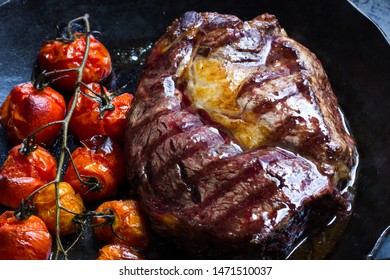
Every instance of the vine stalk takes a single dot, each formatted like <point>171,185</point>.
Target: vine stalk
<point>65,129</point>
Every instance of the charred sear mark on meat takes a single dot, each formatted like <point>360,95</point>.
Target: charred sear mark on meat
<point>239,136</point>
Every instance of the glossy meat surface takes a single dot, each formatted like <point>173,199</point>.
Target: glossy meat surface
<point>234,138</point>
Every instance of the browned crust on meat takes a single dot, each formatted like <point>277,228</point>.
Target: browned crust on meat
<point>254,172</point>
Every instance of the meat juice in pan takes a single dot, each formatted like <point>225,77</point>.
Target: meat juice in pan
<point>236,144</point>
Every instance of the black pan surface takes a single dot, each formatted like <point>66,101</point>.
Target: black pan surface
<point>353,51</point>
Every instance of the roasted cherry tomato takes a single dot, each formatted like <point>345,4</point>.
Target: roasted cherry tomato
<point>99,112</point>
<point>26,109</point>
<point>23,239</point>
<point>118,252</point>
<point>45,205</point>
<point>61,55</point>
<point>128,228</point>
<point>21,174</point>
<point>101,163</point>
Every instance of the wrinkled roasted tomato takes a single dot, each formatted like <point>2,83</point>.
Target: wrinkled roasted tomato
<point>27,109</point>
<point>128,228</point>
<point>23,239</point>
<point>21,174</point>
<point>45,205</point>
<point>99,159</point>
<point>60,55</point>
<point>100,113</point>
<point>118,252</point>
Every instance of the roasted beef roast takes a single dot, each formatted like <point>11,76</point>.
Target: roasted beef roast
<point>235,142</point>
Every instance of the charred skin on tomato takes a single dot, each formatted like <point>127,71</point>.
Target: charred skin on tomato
<point>23,239</point>
<point>101,159</point>
<point>27,109</point>
<point>57,55</point>
<point>98,113</point>
<point>128,228</point>
<point>20,174</point>
<point>118,252</point>
<point>46,207</point>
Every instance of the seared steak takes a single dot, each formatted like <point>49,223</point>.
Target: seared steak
<point>235,140</point>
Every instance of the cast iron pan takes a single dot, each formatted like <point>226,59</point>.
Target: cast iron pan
<point>353,51</point>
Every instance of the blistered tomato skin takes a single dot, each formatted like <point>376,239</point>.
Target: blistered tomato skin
<point>23,239</point>
<point>87,120</point>
<point>58,55</point>
<point>26,109</point>
<point>118,252</point>
<point>45,205</point>
<point>129,225</point>
<point>101,159</point>
<point>21,174</point>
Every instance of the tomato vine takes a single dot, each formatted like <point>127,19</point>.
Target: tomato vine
<point>26,207</point>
